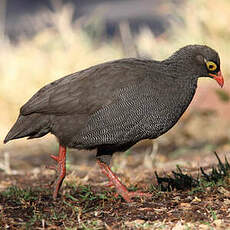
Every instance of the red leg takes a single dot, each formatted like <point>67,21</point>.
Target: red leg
<point>61,169</point>
<point>120,188</point>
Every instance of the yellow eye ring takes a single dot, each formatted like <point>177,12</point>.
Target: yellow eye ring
<point>211,66</point>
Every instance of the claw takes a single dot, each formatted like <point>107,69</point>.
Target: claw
<point>60,169</point>
<point>120,188</point>
<point>128,195</point>
<point>109,184</point>
<point>53,167</point>
<point>56,158</point>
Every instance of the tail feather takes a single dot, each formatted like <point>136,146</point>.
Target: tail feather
<point>33,125</point>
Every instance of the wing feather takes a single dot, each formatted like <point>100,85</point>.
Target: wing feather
<point>87,91</point>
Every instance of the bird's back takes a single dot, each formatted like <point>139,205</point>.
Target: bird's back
<point>86,91</point>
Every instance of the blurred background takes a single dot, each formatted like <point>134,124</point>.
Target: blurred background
<point>41,41</point>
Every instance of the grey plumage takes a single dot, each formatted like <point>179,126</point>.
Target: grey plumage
<point>113,105</point>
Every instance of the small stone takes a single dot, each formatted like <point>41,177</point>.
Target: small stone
<point>224,191</point>
<point>227,201</point>
<point>196,200</point>
<point>204,227</point>
<point>178,226</point>
<point>139,221</point>
<point>218,223</point>
<point>177,198</point>
<point>185,205</point>
<point>134,223</point>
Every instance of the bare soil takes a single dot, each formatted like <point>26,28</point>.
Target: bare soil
<point>84,203</point>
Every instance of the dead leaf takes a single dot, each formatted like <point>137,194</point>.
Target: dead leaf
<point>223,191</point>
<point>196,200</point>
<point>185,205</point>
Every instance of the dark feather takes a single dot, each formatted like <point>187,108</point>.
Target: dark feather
<point>115,104</point>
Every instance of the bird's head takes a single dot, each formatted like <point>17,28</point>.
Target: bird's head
<point>199,61</point>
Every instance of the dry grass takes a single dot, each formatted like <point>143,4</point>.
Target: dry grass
<point>49,55</point>
<point>200,21</point>
<point>65,48</point>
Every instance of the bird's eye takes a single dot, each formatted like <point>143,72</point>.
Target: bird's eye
<point>211,65</point>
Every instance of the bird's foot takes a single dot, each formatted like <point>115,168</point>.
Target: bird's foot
<point>123,191</point>
<point>60,168</point>
<point>129,195</point>
<point>109,184</point>
<point>52,167</point>
<point>120,188</point>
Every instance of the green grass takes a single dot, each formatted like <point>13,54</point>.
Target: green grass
<point>218,173</point>
<point>181,181</point>
<point>37,205</point>
<point>178,180</point>
<point>19,195</point>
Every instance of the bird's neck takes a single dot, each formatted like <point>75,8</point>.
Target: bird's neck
<point>183,77</point>
<point>187,83</point>
<point>178,68</point>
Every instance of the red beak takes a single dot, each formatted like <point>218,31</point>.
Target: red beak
<point>219,78</point>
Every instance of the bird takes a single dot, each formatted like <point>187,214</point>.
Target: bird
<point>112,106</point>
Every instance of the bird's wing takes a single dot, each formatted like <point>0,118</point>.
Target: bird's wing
<point>87,91</point>
<point>145,110</point>
<point>127,119</point>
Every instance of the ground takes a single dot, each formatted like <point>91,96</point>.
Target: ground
<point>84,203</point>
